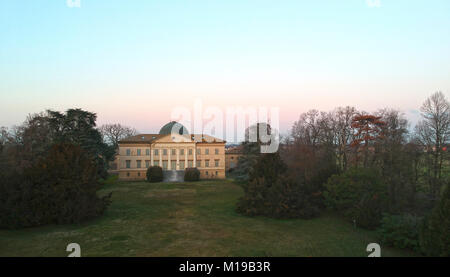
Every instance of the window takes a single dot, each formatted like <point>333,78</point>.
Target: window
<point>181,151</point>
<point>139,174</point>
<point>156,152</point>
<point>147,164</point>
<point>217,173</point>
<point>164,152</point>
<point>173,165</point>
<point>174,152</point>
<point>128,164</point>
<point>190,152</point>
<point>206,151</point>
<point>190,163</point>
<point>128,152</point>
<point>199,163</point>
<point>128,174</point>
<point>156,163</point>
<point>147,152</point>
<point>217,151</point>
<point>165,165</point>
<point>206,163</point>
<point>199,152</point>
<point>139,152</point>
<point>138,164</point>
<point>216,163</point>
<point>206,173</point>
<point>181,165</point>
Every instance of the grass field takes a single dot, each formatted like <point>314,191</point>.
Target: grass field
<point>189,219</point>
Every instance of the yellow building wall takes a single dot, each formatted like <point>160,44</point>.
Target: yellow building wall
<point>201,153</point>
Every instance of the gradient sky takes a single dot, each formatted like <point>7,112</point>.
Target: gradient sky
<point>132,61</point>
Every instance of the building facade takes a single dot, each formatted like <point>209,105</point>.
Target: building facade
<point>171,151</point>
<point>232,156</point>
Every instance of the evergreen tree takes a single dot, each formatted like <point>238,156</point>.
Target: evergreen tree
<point>435,231</point>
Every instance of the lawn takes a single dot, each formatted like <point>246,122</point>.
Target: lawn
<point>190,219</point>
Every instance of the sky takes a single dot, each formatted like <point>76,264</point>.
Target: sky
<point>133,61</point>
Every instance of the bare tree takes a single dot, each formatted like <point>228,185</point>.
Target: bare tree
<point>433,132</point>
<point>4,137</point>
<point>113,133</point>
<point>342,118</point>
<point>396,159</point>
<point>311,152</point>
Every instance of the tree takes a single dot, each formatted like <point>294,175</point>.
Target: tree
<point>342,123</point>
<point>433,132</point>
<point>268,166</point>
<point>271,192</point>
<point>4,137</point>
<point>434,235</point>
<point>113,133</point>
<point>396,160</point>
<point>251,150</point>
<point>41,131</point>
<point>59,188</point>
<point>262,175</point>
<point>311,152</point>
<point>366,130</point>
<point>359,194</point>
<point>5,141</point>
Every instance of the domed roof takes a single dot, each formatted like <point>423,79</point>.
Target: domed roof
<point>175,127</point>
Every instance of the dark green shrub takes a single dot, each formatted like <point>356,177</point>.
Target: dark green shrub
<point>283,199</point>
<point>434,236</point>
<point>270,193</point>
<point>254,202</point>
<point>59,188</point>
<point>263,174</point>
<point>191,174</point>
<point>368,212</point>
<point>268,166</point>
<point>154,174</point>
<point>401,231</point>
<point>358,194</point>
<point>289,199</point>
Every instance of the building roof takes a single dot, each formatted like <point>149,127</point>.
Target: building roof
<point>145,138</point>
<point>206,138</point>
<point>149,138</point>
<point>166,130</point>
<point>234,150</point>
<point>173,126</point>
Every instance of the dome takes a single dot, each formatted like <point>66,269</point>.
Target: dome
<point>175,127</point>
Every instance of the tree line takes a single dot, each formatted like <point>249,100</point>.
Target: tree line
<point>371,168</point>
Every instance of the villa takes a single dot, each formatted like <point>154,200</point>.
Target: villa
<point>173,149</point>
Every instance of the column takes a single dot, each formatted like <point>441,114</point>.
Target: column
<point>169,164</point>
<point>151,156</point>
<point>160,157</point>
<point>195,157</point>
<point>186,164</point>
<point>178,159</point>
